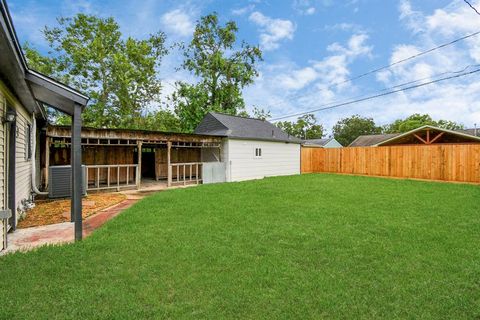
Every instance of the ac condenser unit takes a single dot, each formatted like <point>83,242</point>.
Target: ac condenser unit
<point>59,181</point>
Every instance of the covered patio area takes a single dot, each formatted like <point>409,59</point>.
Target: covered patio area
<point>119,159</point>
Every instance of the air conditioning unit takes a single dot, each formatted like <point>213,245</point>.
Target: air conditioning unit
<point>59,181</point>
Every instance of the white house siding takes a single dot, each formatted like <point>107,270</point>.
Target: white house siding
<point>3,224</point>
<point>278,159</point>
<point>23,166</point>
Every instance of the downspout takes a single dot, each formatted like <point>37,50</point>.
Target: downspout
<point>34,153</point>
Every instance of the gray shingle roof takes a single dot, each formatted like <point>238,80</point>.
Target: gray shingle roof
<point>318,142</point>
<point>371,140</point>
<point>472,131</point>
<point>218,124</point>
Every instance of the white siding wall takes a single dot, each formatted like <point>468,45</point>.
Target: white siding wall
<point>278,159</point>
<point>23,166</point>
<point>3,224</point>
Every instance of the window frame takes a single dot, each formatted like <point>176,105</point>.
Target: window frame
<point>257,152</point>
<point>28,142</point>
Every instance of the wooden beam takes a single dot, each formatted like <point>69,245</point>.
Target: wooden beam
<point>169,169</point>
<point>139,162</point>
<point>428,136</point>
<point>47,160</point>
<point>420,138</point>
<point>437,137</point>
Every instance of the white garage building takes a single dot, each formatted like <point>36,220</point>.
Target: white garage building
<point>252,148</point>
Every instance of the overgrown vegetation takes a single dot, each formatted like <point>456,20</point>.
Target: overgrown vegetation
<point>310,246</point>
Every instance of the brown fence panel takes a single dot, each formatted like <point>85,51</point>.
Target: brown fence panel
<point>448,162</point>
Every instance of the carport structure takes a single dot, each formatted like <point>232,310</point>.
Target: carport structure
<point>116,159</point>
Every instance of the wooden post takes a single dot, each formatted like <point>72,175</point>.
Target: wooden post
<point>139,164</point>
<point>169,169</point>
<point>47,160</point>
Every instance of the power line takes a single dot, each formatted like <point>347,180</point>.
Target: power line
<point>332,85</point>
<point>377,95</point>
<point>471,6</point>
<point>401,85</point>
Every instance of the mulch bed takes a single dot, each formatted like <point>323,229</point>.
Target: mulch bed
<point>57,211</point>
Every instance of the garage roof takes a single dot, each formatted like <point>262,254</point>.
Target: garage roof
<point>219,124</point>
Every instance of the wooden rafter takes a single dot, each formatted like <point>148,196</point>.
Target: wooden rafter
<point>420,138</point>
<point>438,136</point>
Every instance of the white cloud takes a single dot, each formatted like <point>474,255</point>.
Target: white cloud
<point>243,10</point>
<point>272,31</point>
<point>305,7</point>
<point>179,22</point>
<point>298,78</point>
<point>286,88</point>
<point>458,99</point>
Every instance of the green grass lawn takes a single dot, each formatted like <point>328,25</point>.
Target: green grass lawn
<point>311,246</point>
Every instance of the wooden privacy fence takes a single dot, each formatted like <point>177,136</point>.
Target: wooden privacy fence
<point>452,162</point>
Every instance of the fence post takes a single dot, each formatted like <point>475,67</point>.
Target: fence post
<point>138,172</point>
<point>169,166</point>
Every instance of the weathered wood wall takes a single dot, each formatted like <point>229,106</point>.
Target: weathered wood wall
<point>452,162</point>
<point>178,155</point>
<point>101,155</point>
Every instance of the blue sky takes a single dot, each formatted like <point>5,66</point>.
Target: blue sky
<point>310,44</point>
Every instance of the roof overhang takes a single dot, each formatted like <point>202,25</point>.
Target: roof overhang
<point>53,93</point>
<point>31,88</point>
<point>400,137</point>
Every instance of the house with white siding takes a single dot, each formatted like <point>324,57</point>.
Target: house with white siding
<point>23,96</point>
<point>252,148</point>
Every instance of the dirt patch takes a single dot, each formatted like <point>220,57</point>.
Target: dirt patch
<point>57,211</point>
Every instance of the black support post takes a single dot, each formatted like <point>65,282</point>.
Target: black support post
<point>76,164</point>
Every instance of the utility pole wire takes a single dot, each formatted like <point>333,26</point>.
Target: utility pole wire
<point>375,96</point>
<point>400,85</point>
<point>334,84</point>
<point>471,6</point>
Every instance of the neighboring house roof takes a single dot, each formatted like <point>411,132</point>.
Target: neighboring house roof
<point>32,88</point>
<point>219,124</point>
<point>321,142</point>
<point>472,131</point>
<point>318,142</point>
<point>447,136</point>
<point>371,140</point>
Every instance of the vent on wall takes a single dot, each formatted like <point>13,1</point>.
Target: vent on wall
<point>59,185</point>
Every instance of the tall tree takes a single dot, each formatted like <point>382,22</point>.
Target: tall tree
<point>418,120</point>
<point>348,129</point>
<point>306,127</point>
<point>223,69</point>
<point>119,74</point>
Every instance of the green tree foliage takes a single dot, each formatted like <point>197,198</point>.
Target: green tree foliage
<point>418,120</point>
<point>160,120</point>
<point>223,69</point>
<point>348,129</point>
<point>119,74</point>
<point>306,127</point>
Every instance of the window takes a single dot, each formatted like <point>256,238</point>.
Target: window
<point>28,142</point>
<point>258,153</point>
